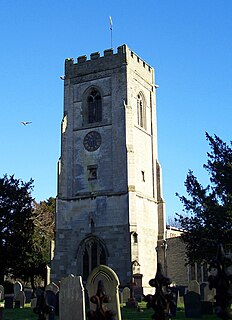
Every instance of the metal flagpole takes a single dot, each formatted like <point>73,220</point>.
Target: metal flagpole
<point>111,32</point>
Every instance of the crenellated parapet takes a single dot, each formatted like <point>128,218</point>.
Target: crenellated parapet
<point>109,60</point>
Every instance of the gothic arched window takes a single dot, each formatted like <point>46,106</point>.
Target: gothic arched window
<point>94,106</point>
<point>141,111</point>
<point>94,254</point>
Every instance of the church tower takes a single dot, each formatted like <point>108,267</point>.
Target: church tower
<point>109,205</point>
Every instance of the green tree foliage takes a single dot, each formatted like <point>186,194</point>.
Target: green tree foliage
<point>208,210</point>
<point>16,224</point>
<point>39,255</point>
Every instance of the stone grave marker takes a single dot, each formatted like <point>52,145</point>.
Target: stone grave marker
<point>194,286</point>
<point>28,293</point>
<point>52,287</point>
<point>9,300</point>
<point>125,294</point>
<point>33,302</point>
<point>208,300</point>
<point>17,288</point>
<point>19,295</point>
<point>181,292</point>
<point>20,299</point>
<point>100,277</point>
<point>71,299</point>
<point>1,292</point>
<point>138,288</point>
<point>209,294</point>
<point>51,301</point>
<point>175,293</point>
<point>192,305</point>
<point>202,289</point>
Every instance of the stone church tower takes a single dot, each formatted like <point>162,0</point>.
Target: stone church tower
<point>109,205</point>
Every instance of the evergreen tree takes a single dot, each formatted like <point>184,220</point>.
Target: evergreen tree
<point>40,252</point>
<point>16,224</point>
<point>208,210</point>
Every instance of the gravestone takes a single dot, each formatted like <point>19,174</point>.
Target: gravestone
<point>9,301</point>
<point>138,287</point>
<point>194,286</point>
<point>51,301</point>
<point>181,292</point>
<point>20,299</point>
<point>209,295</point>
<point>125,295</point>
<point>71,299</point>
<point>173,307</point>
<point>53,292</point>
<point>17,288</point>
<point>52,287</point>
<point>106,276</point>
<point>192,305</point>
<point>28,293</point>
<point>1,293</point>
<point>208,300</point>
<point>202,289</point>
<point>33,302</point>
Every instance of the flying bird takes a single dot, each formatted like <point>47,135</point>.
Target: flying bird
<point>25,122</point>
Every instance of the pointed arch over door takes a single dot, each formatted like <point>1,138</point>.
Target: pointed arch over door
<point>93,252</point>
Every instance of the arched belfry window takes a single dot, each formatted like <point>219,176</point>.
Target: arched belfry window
<point>93,252</point>
<point>94,106</point>
<point>141,111</point>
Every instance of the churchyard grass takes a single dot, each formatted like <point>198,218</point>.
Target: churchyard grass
<point>127,314</point>
<point>20,314</point>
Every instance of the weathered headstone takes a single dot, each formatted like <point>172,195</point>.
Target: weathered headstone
<point>208,300</point>
<point>173,307</point>
<point>202,289</point>
<point>28,293</point>
<point>181,293</point>
<point>108,278</point>
<point>33,302</point>
<point>1,293</point>
<point>125,294</point>
<point>21,297</point>
<point>17,288</point>
<point>52,291</point>
<point>51,301</point>
<point>9,301</point>
<point>52,287</point>
<point>138,288</point>
<point>209,294</point>
<point>192,305</point>
<point>194,286</point>
<point>71,299</point>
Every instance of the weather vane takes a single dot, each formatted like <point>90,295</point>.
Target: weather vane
<point>111,31</point>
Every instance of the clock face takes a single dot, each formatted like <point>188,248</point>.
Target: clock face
<point>92,141</point>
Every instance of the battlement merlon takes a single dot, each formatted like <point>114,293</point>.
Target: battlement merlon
<point>109,60</point>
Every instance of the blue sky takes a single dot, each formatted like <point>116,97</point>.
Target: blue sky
<point>188,43</point>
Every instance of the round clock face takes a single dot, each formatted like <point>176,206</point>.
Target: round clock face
<point>92,141</point>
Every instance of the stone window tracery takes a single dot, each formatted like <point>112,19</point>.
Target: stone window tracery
<point>93,254</point>
<point>141,111</point>
<point>94,106</point>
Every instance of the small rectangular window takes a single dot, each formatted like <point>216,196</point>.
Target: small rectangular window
<point>92,172</point>
<point>143,176</point>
